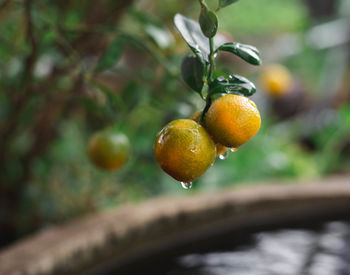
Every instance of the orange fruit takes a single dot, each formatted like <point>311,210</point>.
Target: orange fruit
<point>276,80</point>
<point>232,120</point>
<point>108,150</point>
<point>196,116</point>
<point>184,150</point>
<point>220,149</point>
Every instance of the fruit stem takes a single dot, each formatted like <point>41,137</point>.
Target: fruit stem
<point>211,59</point>
<point>206,108</point>
<point>209,79</point>
<point>202,3</point>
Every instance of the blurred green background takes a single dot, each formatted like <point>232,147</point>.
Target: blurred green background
<point>71,68</point>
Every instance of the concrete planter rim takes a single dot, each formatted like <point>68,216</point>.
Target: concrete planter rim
<point>106,240</point>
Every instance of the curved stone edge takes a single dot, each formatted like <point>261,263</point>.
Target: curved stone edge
<point>129,231</point>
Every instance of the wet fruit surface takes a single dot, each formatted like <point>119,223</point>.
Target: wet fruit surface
<point>184,150</point>
<point>232,120</point>
<point>220,149</point>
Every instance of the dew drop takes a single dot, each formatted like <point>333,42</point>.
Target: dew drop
<point>223,156</point>
<point>186,185</point>
<point>234,150</point>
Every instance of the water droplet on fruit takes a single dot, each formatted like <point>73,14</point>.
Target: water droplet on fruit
<point>223,156</point>
<point>234,150</point>
<point>186,185</point>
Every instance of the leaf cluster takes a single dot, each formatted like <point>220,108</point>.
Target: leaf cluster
<point>197,69</point>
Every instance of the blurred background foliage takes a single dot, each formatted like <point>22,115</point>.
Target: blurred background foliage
<point>71,68</point>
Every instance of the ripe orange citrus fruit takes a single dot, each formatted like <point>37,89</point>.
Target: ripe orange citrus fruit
<point>276,80</point>
<point>232,120</point>
<point>220,149</point>
<point>184,150</point>
<point>108,150</point>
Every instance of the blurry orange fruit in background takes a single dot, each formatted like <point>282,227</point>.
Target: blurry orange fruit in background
<point>276,80</point>
<point>108,150</point>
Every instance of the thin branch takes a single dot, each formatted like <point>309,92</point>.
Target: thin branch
<point>201,2</point>
<point>209,78</point>
<point>211,59</point>
<point>31,59</point>
<point>22,94</point>
<point>4,5</point>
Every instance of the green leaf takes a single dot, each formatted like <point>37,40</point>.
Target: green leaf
<point>208,22</point>
<point>246,52</point>
<point>162,37</point>
<point>111,55</point>
<point>225,3</point>
<point>112,98</point>
<point>192,34</point>
<point>234,84</point>
<point>144,18</point>
<point>192,73</point>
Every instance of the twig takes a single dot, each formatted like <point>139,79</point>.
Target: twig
<point>211,59</point>
<point>31,59</point>
<point>209,78</point>
<point>201,2</point>
<point>4,4</point>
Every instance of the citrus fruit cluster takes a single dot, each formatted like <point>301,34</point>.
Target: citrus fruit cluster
<point>185,149</point>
